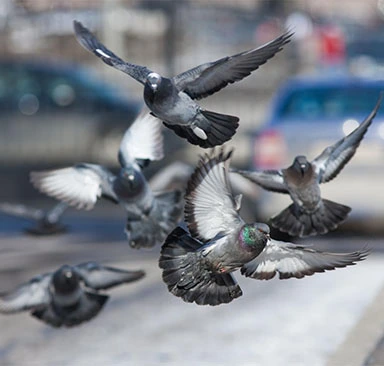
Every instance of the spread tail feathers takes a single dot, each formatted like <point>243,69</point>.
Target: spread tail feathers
<point>218,128</point>
<point>154,228</point>
<point>298,223</point>
<point>188,276</point>
<point>89,307</point>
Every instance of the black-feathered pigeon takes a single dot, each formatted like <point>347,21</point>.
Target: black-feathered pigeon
<point>68,296</point>
<point>151,216</point>
<point>310,214</point>
<point>173,99</point>
<point>47,222</point>
<point>197,265</point>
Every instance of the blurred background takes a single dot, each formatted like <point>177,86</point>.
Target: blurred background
<point>60,105</point>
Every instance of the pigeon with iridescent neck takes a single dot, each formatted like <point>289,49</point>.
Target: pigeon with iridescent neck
<point>309,214</point>
<point>68,296</point>
<point>150,216</point>
<point>173,99</point>
<point>197,265</point>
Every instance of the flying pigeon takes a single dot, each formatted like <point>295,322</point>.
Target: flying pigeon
<point>47,222</point>
<point>173,99</point>
<point>309,214</point>
<point>197,265</point>
<point>68,296</point>
<point>150,216</point>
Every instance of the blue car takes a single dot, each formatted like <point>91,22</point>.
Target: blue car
<point>58,113</point>
<point>312,112</point>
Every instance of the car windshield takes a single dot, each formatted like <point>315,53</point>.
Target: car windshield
<point>329,103</point>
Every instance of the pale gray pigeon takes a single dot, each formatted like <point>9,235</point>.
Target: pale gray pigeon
<point>173,99</point>
<point>310,214</point>
<point>150,216</point>
<point>68,296</point>
<point>46,222</point>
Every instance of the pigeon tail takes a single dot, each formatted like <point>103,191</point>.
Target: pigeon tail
<point>188,276</point>
<point>296,222</point>
<point>88,307</point>
<point>214,130</point>
<point>152,229</point>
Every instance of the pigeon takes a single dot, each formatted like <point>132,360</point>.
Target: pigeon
<point>69,296</point>
<point>197,263</point>
<point>309,214</point>
<point>150,216</point>
<point>47,222</point>
<point>173,99</point>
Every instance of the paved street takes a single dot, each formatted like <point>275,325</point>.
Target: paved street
<point>292,322</point>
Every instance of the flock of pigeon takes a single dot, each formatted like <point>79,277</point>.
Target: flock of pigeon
<point>203,237</point>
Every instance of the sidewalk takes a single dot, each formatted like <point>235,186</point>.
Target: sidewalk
<point>364,344</point>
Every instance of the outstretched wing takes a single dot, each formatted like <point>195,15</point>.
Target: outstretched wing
<point>271,180</point>
<point>29,296</point>
<point>330,162</point>
<point>210,77</point>
<point>210,207</point>
<point>101,277</point>
<point>92,44</point>
<point>291,260</point>
<point>18,210</point>
<point>80,186</point>
<point>143,140</point>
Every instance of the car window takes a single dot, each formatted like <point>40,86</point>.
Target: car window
<point>328,103</point>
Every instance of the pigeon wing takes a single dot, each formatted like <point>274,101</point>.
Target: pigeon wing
<point>31,295</point>
<point>210,77</point>
<point>271,180</point>
<point>79,186</point>
<point>143,140</point>
<point>54,214</point>
<point>92,44</point>
<point>291,260</point>
<point>23,211</point>
<point>101,277</point>
<point>333,159</point>
<point>210,207</point>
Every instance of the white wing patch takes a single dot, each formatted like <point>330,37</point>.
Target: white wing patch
<point>102,53</point>
<point>79,187</point>
<point>143,139</point>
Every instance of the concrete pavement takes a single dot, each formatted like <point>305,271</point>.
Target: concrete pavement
<point>291,322</point>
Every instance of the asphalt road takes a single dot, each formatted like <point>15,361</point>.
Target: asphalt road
<point>290,322</point>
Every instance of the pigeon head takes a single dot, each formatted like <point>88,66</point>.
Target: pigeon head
<point>132,180</point>
<point>65,280</point>
<point>153,81</point>
<point>255,236</point>
<point>301,164</point>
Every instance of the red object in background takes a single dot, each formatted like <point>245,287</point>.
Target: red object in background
<point>269,150</point>
<point>332,45</point>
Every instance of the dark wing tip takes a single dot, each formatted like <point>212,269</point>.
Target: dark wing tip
<point>79,28</point>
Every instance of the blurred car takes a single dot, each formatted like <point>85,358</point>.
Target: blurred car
<point>56,113</point>
<point>308,114</point>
